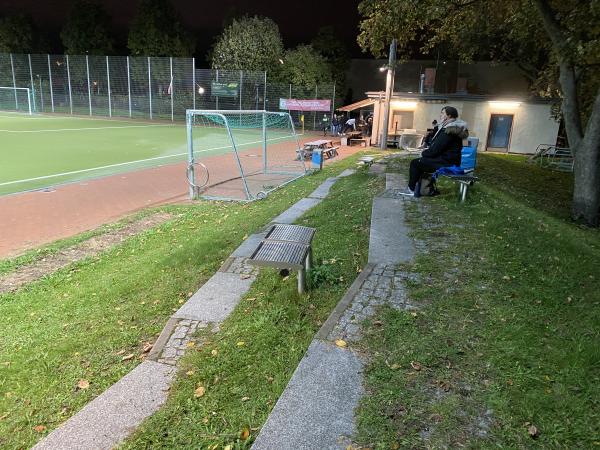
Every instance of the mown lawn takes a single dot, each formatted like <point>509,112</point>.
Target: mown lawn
<point>505,350</point>
<point>89,323</point>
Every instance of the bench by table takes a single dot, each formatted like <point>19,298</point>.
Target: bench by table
<point>360,141</point>
<point>286,247</point>
<point>366,160</point>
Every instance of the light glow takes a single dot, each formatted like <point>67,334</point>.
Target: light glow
<point>505,105</point>
<point>404,105</point>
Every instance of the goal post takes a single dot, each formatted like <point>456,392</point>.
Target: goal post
<point>16,99</point>
<point>241,155</point>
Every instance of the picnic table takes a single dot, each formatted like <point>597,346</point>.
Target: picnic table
<point>325,146</point>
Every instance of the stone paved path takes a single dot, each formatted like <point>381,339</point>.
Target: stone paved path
<point>316,410</point>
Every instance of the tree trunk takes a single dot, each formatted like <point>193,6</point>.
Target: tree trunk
<point>586,192</point>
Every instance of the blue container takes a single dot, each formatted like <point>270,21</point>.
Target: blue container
<point>468,158</point>
<point>317,159</point>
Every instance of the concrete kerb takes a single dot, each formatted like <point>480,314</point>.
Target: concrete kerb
<point>105,421</point>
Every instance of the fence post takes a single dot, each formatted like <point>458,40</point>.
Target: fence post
<point>265,93</point>
<point>194,83</point>
<point>241,81</point>
<point>216,96</point>
<point>150,88</point>
<point>50,78</point>
<point>12,67</point>
<point>108,81</point>
<point>128,87</point>
<point>31,78</point>
<point>171,85</point>
<point>87,67</point>
<point>69,80</point>
<point>264,141</point>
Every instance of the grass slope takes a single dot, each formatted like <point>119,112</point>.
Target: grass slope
<point>504,352</point>
<point>80,323</point>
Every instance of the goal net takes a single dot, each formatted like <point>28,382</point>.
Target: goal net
<point>241,155</point>
<point>15,99</point>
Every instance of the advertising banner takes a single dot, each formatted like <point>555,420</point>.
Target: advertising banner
<point>224,89</point>
<point>293,104</point>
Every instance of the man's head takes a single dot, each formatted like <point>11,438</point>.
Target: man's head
<point>434,123</point>
<point>448,112</point>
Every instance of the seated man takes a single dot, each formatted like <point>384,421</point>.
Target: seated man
<point>445,149</point>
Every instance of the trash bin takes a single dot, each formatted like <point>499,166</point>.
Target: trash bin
<point>317,158</point>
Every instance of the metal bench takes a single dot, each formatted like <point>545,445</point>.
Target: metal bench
<point>464,181</point>
<point>286,247</point>
<point>366,160</point>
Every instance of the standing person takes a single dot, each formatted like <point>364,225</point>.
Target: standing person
<point>370,126</point>
<point>335,123</point>
<point>445,149</point>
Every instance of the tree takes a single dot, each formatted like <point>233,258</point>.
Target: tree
<point>554,42</point>
<point>249,43</point>
<point>87,30</point>
<point>304,66</point>
<point>328,44</point>
<point>156,31</point>
<point>17,34</point>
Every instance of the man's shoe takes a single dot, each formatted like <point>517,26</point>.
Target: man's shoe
<point>407,192</point>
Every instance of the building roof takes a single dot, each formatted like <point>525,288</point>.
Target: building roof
<point>444,98</point>
<point>357,105</point>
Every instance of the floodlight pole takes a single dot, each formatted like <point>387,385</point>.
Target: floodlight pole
<point>389,87</point>
<point>194,82</point>
<point>69,80</point>
<point>150,88</point>
<point>50,79</point>
<point>172,87</point>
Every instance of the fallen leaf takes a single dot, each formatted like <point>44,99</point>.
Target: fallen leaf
<point>378,323</point>
<point>227,447</point>
<point>120,352</point>
<point>241,344</point>
<point>147,347</point>
<point>244,276</point>
<point>205,420</point>
<point>83,384</point>
<point>245,434</point>
<point>214,352</point>
<point>341,343</point>
<point>189,373</point>
<point>40,428</point>
<point>533,431</point>
<point>415,365</point>
<point>4,416</point>
<point>395,366</point>
<point>199,392</point>
<point>190,344</point>
<point>245,399</point>
<point>127,357</point>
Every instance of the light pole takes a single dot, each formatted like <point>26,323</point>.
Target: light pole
<point>389,87</point>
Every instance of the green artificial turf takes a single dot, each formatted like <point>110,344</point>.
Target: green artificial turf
<point>43,150</point>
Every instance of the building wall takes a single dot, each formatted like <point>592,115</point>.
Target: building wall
<point>532,123</point>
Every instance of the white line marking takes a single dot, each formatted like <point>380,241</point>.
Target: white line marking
<point>86,128</point>
<point>134,162</point>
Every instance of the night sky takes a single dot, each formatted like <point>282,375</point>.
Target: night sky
<point>298,21</point>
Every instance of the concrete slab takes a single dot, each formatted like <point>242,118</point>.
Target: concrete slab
<point>295,211</point>
<point>389,242</point>
<point>316,410</point>
<point>111,417</point>
<point>394,181</point>
<point>247,248</point>
<point>323,190</point>
<point>216,299</point>
<point>346,173</point>
<point>377,169</point>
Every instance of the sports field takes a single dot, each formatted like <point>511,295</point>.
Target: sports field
<point>41,150</point>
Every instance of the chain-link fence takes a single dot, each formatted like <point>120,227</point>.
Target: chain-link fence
<point>147,88</point>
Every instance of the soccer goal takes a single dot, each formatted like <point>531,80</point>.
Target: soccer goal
<point>15,99</point>
<point>241,155</point>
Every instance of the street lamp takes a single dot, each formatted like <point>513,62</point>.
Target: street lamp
<point>389,87</point>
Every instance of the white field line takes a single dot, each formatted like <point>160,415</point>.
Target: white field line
<point>43,116</point>
<point>86,128</point>
<point>133,162</point>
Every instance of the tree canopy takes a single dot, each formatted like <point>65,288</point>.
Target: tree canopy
<point>555,42</point>
<point>87,30</point>
<point>157,31</point>
<point>17,34</point>
<point>304,66</point>
<point>328,44</point>
<point>249,43</point>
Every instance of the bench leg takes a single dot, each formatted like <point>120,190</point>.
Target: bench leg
<point>302,281</point>
<point>464,192</point>
<point>308,262</point>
